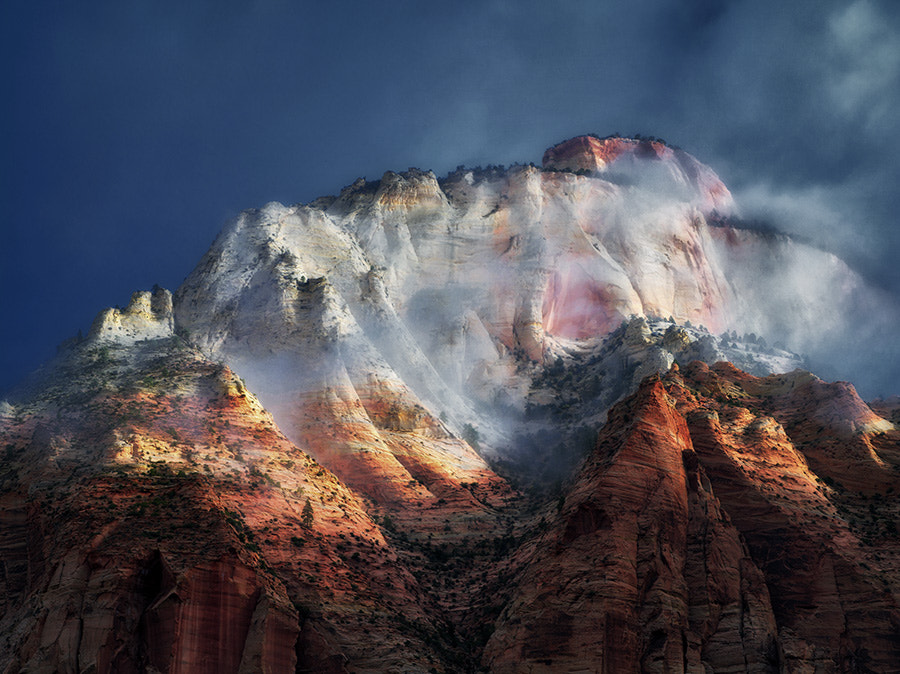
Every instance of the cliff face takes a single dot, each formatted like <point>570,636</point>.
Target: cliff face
<point>703,533</point>
<point>699,536</point>
<point>642,570</point>
<point>305,460</point>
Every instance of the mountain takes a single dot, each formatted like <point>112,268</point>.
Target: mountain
<point>492,422</point>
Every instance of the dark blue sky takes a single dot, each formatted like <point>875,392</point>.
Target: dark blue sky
<point>132,130</point>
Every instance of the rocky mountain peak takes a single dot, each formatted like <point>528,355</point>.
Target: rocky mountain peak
<point>631,161</point>
<point>591,153</point>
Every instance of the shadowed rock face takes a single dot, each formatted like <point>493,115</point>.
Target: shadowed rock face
<point>290,465</point>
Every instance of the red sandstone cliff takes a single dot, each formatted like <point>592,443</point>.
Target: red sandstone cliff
<point>698,536</point>
<point>153,519</point>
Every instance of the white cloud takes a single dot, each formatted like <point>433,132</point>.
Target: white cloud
<point>829,216</point>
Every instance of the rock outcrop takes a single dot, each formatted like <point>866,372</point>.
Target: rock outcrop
<point>148,316</point>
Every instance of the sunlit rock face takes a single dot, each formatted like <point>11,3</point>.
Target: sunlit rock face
<point>441,289</point>
<point>617,157</point>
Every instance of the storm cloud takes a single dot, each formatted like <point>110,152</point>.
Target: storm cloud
<point>134,130</point>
